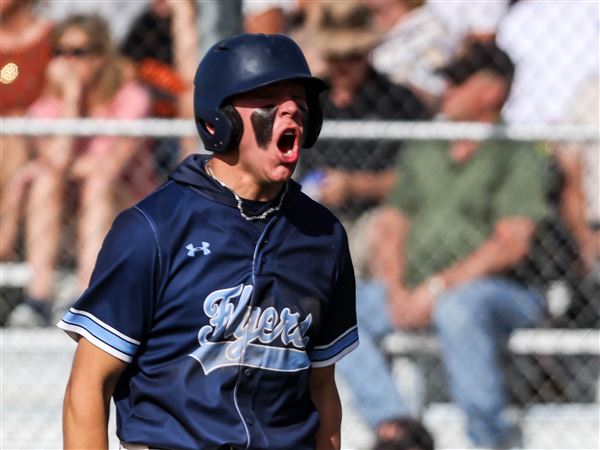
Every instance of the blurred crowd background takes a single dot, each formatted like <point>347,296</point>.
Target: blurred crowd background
<point>509,63</point>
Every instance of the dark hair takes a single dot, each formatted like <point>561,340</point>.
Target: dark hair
<point>479,56</point>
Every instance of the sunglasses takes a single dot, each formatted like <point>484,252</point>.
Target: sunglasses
<point>75,52</point>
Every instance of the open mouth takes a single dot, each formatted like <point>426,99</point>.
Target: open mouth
<point>287,142</point>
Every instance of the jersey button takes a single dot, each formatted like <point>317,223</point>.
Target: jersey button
<point>247,372</point>
<point>249,420</point>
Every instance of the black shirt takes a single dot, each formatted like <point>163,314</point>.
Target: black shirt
<point>379,99</point>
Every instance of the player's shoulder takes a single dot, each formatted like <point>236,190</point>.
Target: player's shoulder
<point>165,199</point>
<point>309,215</point>
<point>162,208</point>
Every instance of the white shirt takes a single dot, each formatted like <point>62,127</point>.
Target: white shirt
<point>554,45</point>
<point>463,17</point>
<point>584,108</point>
<point>412,50</point>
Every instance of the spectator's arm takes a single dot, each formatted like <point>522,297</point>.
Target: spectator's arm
<point>340,185</point>
<point>325,396</point>
<point>269,20</point>
<point>508,245</point>
<point>57,151</point>
<point>573,204</point>
<point>389,230</point>
<point>186,42</point>
<point>87,398</point>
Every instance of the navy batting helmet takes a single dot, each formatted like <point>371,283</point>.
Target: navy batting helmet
<point>240,64</point>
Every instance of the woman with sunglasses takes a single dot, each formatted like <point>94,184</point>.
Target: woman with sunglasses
<point>85,78</point>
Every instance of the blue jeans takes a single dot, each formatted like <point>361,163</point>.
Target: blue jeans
<point>473,322</point>
<point>366,370</point>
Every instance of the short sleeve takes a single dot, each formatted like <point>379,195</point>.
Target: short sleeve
<point>404,195</point>
<point>523,190</point>
<point>45,108</point>
<point>115,311</point>
<point>131,102</point>
<point>483,17</point>
<point>338,335</point>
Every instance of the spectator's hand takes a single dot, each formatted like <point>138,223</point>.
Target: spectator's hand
<point>335,189</point>
<point>62,77</point>
<point>411,309</point>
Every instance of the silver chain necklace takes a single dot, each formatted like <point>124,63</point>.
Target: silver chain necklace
<point>240,205</point>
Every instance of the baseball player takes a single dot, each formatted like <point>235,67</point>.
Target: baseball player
<point>220,303</point>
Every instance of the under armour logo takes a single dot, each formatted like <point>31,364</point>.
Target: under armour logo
<point>192,250</point>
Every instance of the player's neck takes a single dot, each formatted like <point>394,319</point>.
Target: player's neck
<point>241,182</point>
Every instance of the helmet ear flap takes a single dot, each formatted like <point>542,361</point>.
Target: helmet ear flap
<point>228,129</point>
<point>315,119</point>
<point>237,126</point>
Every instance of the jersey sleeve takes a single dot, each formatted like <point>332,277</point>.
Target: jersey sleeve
<point>339,334</point>
<point>115,311</point>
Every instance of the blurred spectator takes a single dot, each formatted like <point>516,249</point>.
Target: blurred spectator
<point>469,21</point>
<point>161,44</point>
<point>268,16</point>
<point>304,21</point>
<point>353,179</point>
<point>578,206</point>
<point>457,221</point>
<point>101,174</point>
<point>412,47</point>
<point>117,14</point>
<point>555,48</point>
<point>551,67</point>
<point>25,51</point>
<point>218,20</point>
<point>582,169</point>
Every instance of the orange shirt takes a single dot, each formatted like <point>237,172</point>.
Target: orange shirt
<point>21,87</point>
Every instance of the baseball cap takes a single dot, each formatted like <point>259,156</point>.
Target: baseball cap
<point>477,57</point>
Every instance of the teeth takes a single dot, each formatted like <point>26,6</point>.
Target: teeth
<point>288,153</point>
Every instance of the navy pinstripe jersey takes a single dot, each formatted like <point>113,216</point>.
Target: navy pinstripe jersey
<point>221,319</point>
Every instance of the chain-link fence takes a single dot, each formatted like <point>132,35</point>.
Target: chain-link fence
<point>459,115</point>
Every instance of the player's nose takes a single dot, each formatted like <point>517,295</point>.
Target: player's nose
<point>290,107</point>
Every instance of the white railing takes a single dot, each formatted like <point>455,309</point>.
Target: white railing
<point>352,129</point>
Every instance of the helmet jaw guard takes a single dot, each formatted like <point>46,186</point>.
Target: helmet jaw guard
<point>243,63</point>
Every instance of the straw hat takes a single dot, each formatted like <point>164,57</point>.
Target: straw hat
<point>342,29</point>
